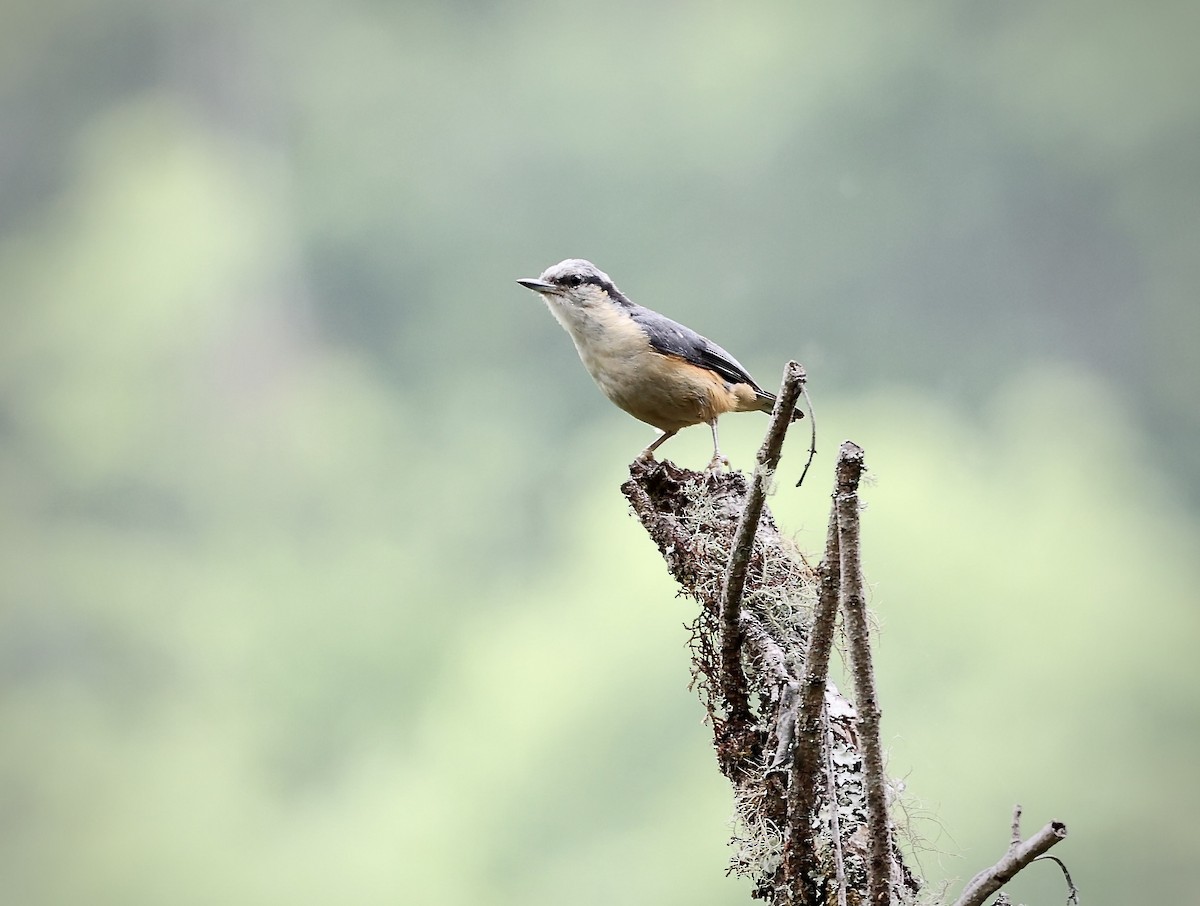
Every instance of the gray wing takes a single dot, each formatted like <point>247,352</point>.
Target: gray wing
<point>672,338</point>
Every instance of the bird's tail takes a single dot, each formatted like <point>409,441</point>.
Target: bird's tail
<point>766,403</point>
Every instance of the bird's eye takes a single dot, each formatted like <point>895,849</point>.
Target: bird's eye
<point>571,280</point>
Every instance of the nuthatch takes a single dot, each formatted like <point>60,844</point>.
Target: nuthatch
<point>657,370</point>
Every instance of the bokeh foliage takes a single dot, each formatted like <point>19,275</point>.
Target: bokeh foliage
<point>315,583</point>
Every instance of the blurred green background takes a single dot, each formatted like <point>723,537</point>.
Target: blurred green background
<point>316,582</point>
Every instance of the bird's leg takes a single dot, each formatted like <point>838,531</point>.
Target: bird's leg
<point>718,460</point>
<point>647,455</point>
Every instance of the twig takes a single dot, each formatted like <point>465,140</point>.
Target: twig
<point>850,467</point>
<point>835,825</point>
<point>1072,890</point>
<point>802,788</point>
<point>733,678</point>
<point>770,655</point>
<point>812,424</point>
<point>1019,855</point>
<point>785,726</point>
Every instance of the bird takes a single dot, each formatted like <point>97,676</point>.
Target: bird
<point>656,369</point>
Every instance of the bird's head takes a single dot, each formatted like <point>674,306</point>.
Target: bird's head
<point>575,283</point>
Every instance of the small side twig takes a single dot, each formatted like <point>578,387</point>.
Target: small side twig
<point>812,443</point>
<point>1072,890</point>
<point>1019,855</point>
<point>733,678</point>
<point>835,828</point>
<point>1015,839</point>
<point>850,467</point>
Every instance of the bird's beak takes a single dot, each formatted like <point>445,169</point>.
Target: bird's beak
<point>538,286</point>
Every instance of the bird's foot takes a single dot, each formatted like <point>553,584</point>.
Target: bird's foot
<point>717,463</point>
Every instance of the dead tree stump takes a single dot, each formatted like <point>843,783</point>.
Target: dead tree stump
<point>692,518</point>
<point>811,801</point>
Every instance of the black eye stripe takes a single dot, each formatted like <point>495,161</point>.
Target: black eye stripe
<point>579,280</point>
<point>574,280</point>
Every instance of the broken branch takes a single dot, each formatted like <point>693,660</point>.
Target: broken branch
<point>1019,855</point>
<point>733,678</point>
<point>850,467</point>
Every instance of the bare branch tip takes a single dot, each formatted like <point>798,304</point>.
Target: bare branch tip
<point>851,463</point>
<point>850,452</point>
